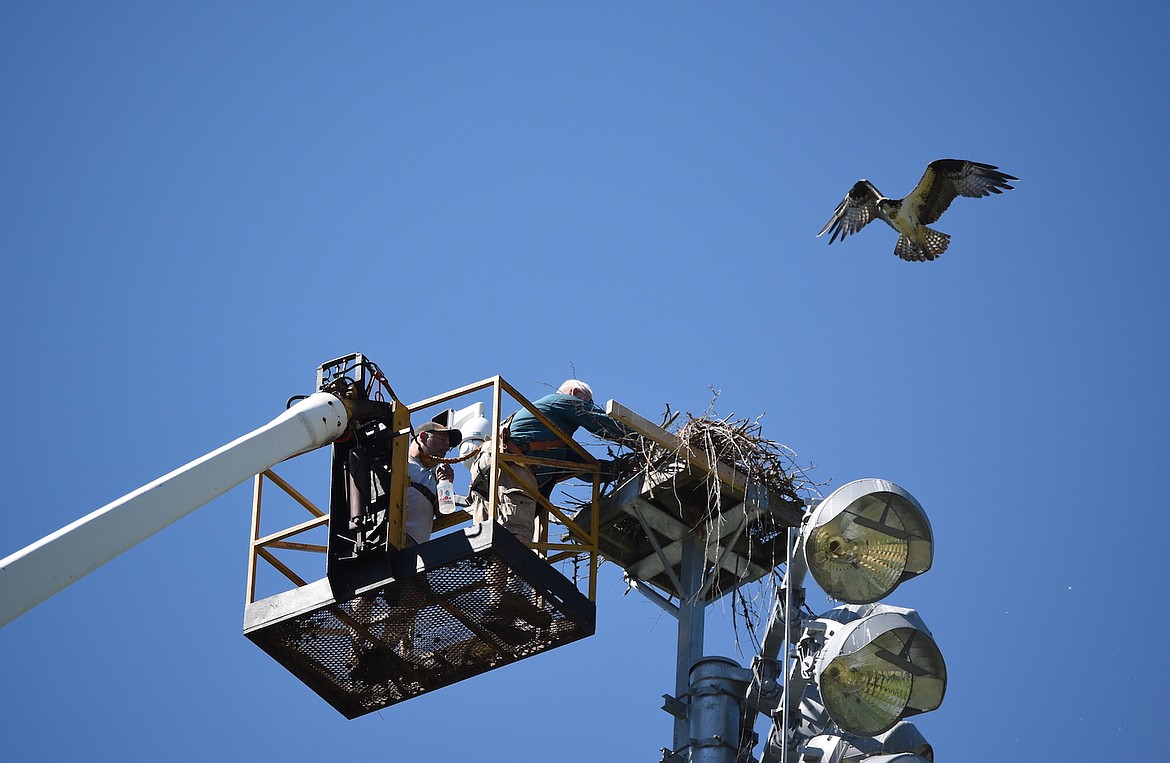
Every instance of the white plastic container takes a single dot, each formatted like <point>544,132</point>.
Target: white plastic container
<point>446,492</point>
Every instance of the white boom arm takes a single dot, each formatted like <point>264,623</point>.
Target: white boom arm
<point>40,570</point>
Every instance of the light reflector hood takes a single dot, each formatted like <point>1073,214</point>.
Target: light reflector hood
<point>865,539</point>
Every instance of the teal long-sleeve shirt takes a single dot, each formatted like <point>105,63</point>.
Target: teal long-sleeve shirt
<point>569,414</point>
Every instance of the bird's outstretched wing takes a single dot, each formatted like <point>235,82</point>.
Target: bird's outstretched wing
<point>945,179</point>
<point>854,212</point>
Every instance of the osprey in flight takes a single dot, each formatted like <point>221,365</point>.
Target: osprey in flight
<point>941,183</point>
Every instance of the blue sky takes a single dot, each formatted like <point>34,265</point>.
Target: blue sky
<point>199,203</point>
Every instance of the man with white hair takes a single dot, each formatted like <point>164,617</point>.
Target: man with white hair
<point>570,408</point>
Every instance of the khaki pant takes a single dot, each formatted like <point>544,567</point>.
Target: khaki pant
<point>515,505</point>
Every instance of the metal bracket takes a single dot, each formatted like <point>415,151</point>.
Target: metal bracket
<point>674,706</point>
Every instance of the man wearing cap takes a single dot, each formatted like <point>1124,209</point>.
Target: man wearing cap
<point>430,443</point>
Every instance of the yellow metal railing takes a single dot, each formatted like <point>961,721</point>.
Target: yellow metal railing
<point>263,547</point>
<point>575,544</point>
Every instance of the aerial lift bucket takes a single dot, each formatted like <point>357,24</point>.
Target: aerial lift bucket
<point>454,607</point>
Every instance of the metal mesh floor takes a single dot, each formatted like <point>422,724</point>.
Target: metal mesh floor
<point>471,607</point>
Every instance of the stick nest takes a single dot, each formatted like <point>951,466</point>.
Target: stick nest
<point>738,443</point>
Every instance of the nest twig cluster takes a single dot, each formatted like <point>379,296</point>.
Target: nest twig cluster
<point>738,443</point>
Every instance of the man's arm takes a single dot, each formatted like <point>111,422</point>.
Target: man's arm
<point>595,420</point>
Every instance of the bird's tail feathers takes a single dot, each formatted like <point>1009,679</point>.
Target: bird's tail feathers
<point>934,243</point>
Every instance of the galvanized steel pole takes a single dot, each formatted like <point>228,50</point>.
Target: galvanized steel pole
<point>715,707</point>
<point>691,622</point>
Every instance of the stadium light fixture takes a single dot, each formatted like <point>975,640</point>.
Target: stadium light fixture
<point>902,744</point>
<point>865,539</point>
<point>878,665</point>
<point>861,668</point>
<point>835,748</point>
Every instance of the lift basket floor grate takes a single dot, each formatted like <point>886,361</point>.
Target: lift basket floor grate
<point>477,600</point>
